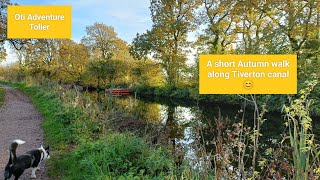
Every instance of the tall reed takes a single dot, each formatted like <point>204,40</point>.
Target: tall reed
<point>300,132</point>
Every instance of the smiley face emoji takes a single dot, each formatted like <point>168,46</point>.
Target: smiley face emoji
<point>248,84</point>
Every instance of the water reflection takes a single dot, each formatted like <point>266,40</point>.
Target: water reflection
<point>184,125</point>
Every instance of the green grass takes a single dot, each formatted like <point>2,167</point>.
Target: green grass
<point>118,155</point>
<point>76,155</point>
<point>57,130</point>
<point>2,95</point>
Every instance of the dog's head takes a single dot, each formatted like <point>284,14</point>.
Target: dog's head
<point>46,152</point>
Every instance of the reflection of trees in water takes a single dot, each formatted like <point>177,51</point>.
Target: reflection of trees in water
<point>205,137</point>
<point>147,112</point>
<point>223,143</point>
<point>171,129</point>
<point>271,129</point>
<point>170,132</point>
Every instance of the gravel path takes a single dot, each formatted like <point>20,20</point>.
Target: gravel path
<point>19,120</point>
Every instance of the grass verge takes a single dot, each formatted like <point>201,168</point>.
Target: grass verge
<point>2,95</point>
<point>111,155</point>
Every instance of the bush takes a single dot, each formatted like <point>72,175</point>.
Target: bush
<point>118,155</point>
<point>181,93</point>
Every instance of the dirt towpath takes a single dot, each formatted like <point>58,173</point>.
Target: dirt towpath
<point>19,120</point>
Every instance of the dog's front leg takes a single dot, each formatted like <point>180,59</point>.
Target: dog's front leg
<point>33,173</point>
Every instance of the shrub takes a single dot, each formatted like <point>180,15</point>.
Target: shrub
<point>118,155</point>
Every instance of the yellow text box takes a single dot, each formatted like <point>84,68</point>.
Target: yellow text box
<point>26,22</point>
<point>248,74</point>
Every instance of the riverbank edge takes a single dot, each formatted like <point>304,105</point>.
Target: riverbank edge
<point>59,136</point>
<point>274,102</point>
<point>192,94</point>
<point>2,96</point>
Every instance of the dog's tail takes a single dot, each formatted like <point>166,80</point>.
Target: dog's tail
<point>13,149</point>
<point>12,157</point>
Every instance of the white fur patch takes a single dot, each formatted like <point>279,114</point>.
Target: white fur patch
<point>44,154</point>
<point>18,141</point>
<point>33,173</point>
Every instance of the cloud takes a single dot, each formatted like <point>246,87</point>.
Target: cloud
<point>128,17</point>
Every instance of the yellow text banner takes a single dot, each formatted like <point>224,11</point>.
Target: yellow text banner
<point>248,74</point>
<point>39,22</point>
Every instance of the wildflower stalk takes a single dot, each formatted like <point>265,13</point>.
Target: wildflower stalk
<point>300,131</point>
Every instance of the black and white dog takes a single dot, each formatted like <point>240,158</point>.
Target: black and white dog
<point>31,159</point>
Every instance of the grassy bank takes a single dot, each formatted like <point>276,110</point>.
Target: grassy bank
<point>2,94</point>
<point>76,134</point>
<point>87,145</point>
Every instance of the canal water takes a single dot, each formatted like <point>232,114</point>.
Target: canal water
<point>193,127</point>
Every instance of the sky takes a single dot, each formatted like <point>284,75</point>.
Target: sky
<point>128,17</point>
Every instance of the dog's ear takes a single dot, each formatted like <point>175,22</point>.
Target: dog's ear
<point>41,146</point>
<point>47,148</point>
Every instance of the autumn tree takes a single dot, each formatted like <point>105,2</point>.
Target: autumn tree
<point>73,59</point>
<point>14,43</point>
<point>220,23</point>
<point>146,73</point>
<point>297,25</point>
<point>106,72</point>
<point>62,60</point>
<point>295,19</point>
<point>257,30</point>
<point>3,27</point>
<point>167,40</point>
<point>300,21</point>
<point>102,41</point>
<point>45,57</point>
<point>301,25</point>
<point>109,53</point>
<point>38,57</point>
